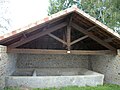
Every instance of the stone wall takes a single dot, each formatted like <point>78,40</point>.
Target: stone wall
<point>51,61</point>
<point>7,64</point>
<point>109,65</point>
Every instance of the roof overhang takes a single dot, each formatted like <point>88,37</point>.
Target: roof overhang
<point>82,21</point>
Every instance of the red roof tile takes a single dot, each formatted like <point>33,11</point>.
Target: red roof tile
<point>61,13</point>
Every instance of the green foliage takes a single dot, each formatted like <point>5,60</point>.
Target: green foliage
<point>12,88</point>
<point>106,11</point>
<point>104,87</point>
<point>58,5</point>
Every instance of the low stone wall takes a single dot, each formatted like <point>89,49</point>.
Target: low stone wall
<point>109,65</point>
<point>52,61</point>
<point>7,64</point>
<point>68,77</point>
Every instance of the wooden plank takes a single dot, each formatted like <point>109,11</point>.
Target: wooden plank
<point>46,51</point>
<point>79,39</point>
<point>40,34</point>
<point>95,38</point>
<point>58,39</point>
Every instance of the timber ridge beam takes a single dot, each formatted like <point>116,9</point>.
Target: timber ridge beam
<point>46,51</point>
<point>95,38</point>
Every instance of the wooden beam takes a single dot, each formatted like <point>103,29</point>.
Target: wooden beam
<point>68,37</point>
<point>21,33</point>
<point>69,32</point>
<point>109,39</point>
<point>91,28</point>
<point>94,52</point>
<point>46,51</point>
<point>79,39</point>
<point>95,38</point>
<point>10,38</point>
<point>37,51</point>
<point>64,38</point>
<point>42,25</point>
<point>18,35</point>
<point>57,19</point>
<point>13,37</point>
<point>40,34</point>
<point>24,35</point>
<point>58,39</point>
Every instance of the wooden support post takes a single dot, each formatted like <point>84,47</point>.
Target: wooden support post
<point>68,37</point>
<point>69,33</point>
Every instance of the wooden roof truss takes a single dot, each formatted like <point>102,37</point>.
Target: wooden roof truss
<point>48,31</point>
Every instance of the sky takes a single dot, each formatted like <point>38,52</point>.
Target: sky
<point>24,12</point>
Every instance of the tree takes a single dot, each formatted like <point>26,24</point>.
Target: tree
<point>4,16</point>
<point>106,11</point>
<point>58,5</point>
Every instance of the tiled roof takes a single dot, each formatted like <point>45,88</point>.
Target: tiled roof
<point>61,13</point>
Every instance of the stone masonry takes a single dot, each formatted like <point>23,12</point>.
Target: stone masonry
<point>109,65</point>
<point>52,61</point>
<point>7,64</point>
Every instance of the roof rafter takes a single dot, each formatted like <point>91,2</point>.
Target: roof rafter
<point>26,40</point>
<point>58,39</point>
<point>91,28</point>
<point>103,43</point>
<point>79,39</point>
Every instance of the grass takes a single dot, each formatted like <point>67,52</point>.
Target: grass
<point>104,87</point>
